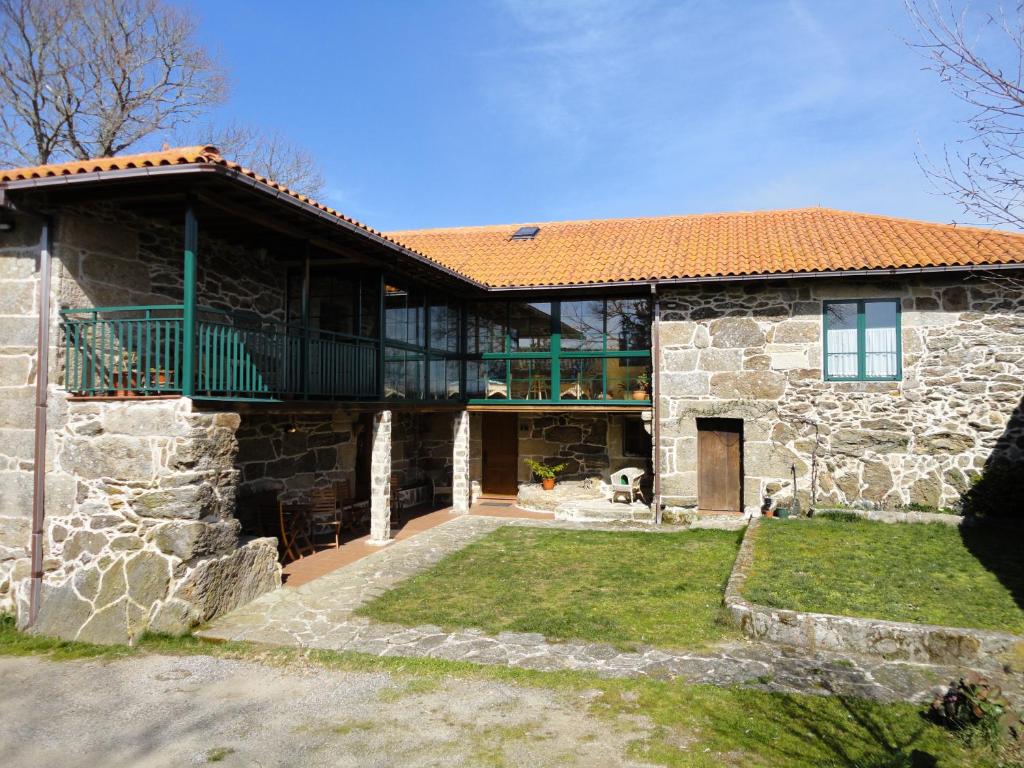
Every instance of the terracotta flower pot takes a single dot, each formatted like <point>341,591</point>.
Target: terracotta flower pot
<point>639,394</point>
<point>548,483</point>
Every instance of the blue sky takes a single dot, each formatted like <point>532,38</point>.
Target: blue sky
<point>429,113</point>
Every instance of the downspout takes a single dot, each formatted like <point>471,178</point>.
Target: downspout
<point>39,457</point>
<point>656,396</point>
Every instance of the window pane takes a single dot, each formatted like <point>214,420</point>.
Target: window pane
<point>530,326</point>
<point>486,379</point>
<point>531,379</point>
<point>841,321</point>
<point>879,339</point>
<point>486,332</point>
<point>583,325</point>
<point>452,376</point>
<point>404,314</point>
<point>403,374</point>
<point>444,327</point>
<point>627,375</point>
<point>581,378</point>
<point>629,324</point>
<point>369,300</point>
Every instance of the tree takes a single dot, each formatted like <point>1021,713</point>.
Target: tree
<point>91,78</point>
<point>270,154</point>
<point>980,56</point>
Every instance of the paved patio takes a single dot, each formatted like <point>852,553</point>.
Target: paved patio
<point>318,614</point>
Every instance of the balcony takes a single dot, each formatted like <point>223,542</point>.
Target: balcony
<point>145,351</point>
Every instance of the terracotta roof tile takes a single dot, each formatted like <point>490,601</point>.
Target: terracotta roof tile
<point>566,253</point>
<point>804,240</point>
<point>178,156</point>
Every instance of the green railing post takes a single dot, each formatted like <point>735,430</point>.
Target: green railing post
<point>188,358</point>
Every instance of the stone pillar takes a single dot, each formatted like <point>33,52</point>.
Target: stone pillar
<point>380,480</point>
<point>460,463</point>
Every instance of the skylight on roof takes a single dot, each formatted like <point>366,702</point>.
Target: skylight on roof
<point>525,233</point>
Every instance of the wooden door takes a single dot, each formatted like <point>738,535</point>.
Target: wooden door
<point>719,465</point>
<point>501,453</point>
<point>364,455</point>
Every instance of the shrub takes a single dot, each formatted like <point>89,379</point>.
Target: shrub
<point>979,710</point>
<point>544,471</point>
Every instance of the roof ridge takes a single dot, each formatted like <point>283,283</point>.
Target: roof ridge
<point>769,212</point>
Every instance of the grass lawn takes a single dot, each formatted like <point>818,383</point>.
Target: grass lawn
<point>627,588</point>
<point>695,726</point>
<point>928,574</point>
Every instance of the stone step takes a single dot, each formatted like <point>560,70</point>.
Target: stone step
<point>604,512</point>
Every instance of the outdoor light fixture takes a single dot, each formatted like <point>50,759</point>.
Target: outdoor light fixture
<point>290,428</point>
<point>6,226</point>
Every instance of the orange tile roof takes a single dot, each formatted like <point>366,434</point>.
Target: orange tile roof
<point>565,253</point>
<point>198,155</point>
<point>803,240</point>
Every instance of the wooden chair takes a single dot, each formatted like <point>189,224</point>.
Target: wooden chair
<point>346,504</point>
<point>325,514</point>
<point>440,490</point>
<point>294,522</point>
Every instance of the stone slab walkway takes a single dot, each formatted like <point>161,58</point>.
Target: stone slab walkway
<point>319,615</point>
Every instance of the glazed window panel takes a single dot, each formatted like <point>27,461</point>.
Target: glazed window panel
<point>582,325</point>
<point>444,379</point>
<point>581,378</point>
<point>530,378</point>
<point>404,315</point>
<point>629,324</point>
<point>403,374</point>
<point>488,326</point>
<point>862,340</point>
<point>487,379</point>
<point>530,326</point>
<point>628,378</point>
<point>444,326</point>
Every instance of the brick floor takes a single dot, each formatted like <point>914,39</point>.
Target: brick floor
<point>305,569</point>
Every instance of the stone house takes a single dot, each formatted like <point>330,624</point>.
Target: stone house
<point>179,336</point>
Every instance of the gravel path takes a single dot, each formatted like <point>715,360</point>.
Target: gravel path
<point>319,615</point>
<point>154,710</point>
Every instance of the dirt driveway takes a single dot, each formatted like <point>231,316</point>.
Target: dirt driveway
<point>156,710</point>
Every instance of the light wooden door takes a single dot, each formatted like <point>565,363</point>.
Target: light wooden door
<point>501,453</point>
<point>719,465</point>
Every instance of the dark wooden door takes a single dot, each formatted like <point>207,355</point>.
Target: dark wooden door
<point>719,473</point>
<point>501,453</point>
<point>364,455</point>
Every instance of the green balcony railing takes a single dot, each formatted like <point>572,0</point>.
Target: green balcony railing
<point>140,350</point>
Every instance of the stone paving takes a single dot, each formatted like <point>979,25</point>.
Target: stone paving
<point>319,615</point>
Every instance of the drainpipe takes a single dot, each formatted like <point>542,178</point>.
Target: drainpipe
<point>656,396</point>
<point>39,458</point>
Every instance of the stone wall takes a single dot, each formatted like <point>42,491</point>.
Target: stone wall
<point>590,444</point>
<point>147,539</point>
<point>104,256</point>
<point>19,313</point>
<point>292,454</point>
<point>110,257</point>
<point>755,353</point>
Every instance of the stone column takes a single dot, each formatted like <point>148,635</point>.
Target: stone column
<point>460,463</point>
<point>380,480</point>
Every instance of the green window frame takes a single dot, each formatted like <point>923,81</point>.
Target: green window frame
<point>549,383</point>
<point>861,340</point>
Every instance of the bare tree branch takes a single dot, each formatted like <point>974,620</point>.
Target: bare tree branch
<point>270,154</point>
<point>980,56</point>
<point>91,78</point>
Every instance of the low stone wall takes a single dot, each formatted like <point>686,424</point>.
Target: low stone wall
<point>892,516</point>
<point>892,640</point>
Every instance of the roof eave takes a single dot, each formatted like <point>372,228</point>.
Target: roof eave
<point>241,178</point>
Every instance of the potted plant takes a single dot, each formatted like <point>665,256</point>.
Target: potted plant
<point>643,387</point>
<point>546,472</point>
<point>124,380</point>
